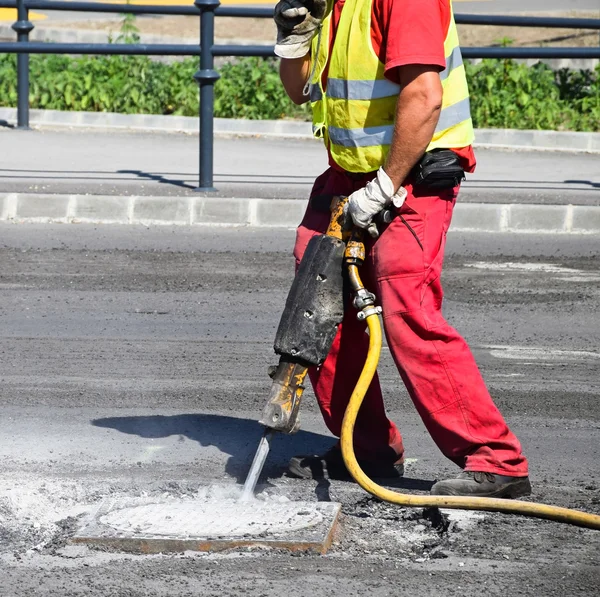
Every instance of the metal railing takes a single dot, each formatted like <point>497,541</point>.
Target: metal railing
<point>206,76</point>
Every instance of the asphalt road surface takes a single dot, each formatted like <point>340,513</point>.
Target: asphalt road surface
<point>134,363</point>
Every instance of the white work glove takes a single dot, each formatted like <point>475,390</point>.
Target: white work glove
<point>363,205</point>
<point>297,22</point>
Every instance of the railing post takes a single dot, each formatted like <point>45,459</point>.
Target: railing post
<point>206,77</point>
<point>23,26</point>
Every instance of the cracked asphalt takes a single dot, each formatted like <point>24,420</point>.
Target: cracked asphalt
<point>134,364</point>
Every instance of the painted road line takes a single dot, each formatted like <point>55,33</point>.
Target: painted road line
<point>512,266</point>
<point>540,353</point>
<point>512,375</point>
<point>565,274</point>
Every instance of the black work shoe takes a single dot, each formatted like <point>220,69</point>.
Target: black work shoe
<point>331,466</point>
<point>477,484</point>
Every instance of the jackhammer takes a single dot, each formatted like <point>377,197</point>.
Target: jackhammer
<point>314,308</point>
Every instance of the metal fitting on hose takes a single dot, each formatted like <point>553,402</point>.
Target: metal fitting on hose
<point>367,312</point>
<point>363,298</point>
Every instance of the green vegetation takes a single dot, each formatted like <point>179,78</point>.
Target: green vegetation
<point>503,93</point>
<point>249,88</point>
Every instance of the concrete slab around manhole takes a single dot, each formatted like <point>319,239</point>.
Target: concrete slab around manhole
<point>143,525</point>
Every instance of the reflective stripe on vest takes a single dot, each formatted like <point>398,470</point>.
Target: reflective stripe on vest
<point>453,61</point>
<point>316,94</point>
<point>355,113</point>
<point>367,137</point>
<point>453,115</point>
<point>361,90</point>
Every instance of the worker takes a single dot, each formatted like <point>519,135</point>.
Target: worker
<point>389,97</point>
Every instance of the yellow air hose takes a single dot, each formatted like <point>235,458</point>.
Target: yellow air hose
<point>555,513</point>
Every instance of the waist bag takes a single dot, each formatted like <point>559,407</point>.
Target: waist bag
<point>438,169</point>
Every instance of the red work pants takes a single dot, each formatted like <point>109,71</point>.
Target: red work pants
<point>434,361</point>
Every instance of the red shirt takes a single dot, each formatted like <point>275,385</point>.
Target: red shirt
<point>407,32</point>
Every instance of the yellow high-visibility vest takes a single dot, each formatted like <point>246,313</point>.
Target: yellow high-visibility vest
<point>355,112</point>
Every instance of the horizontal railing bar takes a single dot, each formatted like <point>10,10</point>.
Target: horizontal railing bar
<point>262,12</point>
<point>255,12</point>
<point>229,50</point>
<point>262,51</point>
<point>104,49</point>
<point>534,52</point>
<point>523,21</point>
<point>123,8</point>
<point>104,7</point>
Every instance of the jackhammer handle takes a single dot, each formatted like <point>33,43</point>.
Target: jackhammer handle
<point>383,217</point>
<point>386,216</point>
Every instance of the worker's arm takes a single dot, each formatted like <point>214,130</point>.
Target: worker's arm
<point>417,113</point>
<point>294,73</point>
<point>297,21</point>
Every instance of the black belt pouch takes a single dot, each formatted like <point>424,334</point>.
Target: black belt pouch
<point>438,169</point>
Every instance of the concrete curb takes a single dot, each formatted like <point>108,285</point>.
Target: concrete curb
<point>205,211</point>
<point>493,138</point>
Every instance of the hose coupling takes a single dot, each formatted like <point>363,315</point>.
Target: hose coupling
<point>363,298</point>
<point>367,312</point>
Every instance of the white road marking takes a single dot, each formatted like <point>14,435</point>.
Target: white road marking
<point>585,277</point>
<point>540,353</point>
<point>564,274</point>
<point>506,375</point>
<point>524,267</point>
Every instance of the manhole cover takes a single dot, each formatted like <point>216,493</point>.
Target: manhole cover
<point>212,519</point>
<point>151,526</point>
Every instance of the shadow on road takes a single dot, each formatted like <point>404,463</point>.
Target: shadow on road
<point>239,438</point>
<point>157,178</point>
<point>231,435</point>
<point>595,185</point>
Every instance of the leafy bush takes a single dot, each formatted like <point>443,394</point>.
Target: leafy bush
<point>249,88</point>
<point>503,93</point>
<point>506,94</point>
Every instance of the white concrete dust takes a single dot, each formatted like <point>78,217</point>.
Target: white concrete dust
<point>218,493</point>
<point>214,511</point>
<point>36,514</point>
<point>33,512</point>
<point>461,520</point>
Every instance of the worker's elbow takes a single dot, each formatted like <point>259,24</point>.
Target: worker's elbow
<point>433,105</point>
<point>421,87</point>
<point>434,96</point>
<point>298,98</point>
<point>431,93</point>
<point>428,98</point>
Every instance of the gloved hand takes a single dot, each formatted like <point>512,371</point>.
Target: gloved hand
<point>363,205</point>
<point>297,22</point>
